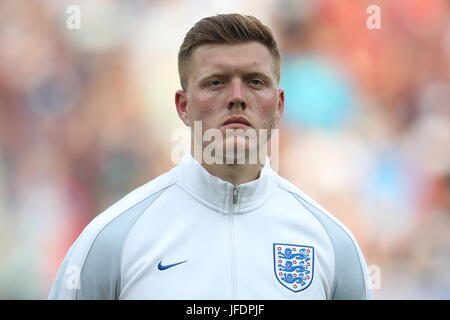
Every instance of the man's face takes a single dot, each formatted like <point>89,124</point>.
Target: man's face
<point>227,81</point>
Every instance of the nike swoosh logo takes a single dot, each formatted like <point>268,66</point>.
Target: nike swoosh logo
<point>161,267</point>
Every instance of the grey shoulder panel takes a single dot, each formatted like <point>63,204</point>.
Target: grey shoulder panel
<point>56,289</point>
<point>349,276</point>
<point>100,274</point>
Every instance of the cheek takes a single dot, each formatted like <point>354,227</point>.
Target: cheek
<point>204,108</point>
<point>267,109</point>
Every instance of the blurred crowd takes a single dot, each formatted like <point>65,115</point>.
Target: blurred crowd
<point>367,130</point>
<point>86,116</point>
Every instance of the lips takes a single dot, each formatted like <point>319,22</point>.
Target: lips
<point>236,122</point>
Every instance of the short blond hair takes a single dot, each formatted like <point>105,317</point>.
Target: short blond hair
<point>225,29</point>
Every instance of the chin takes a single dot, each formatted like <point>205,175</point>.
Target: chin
<point>237,150</point>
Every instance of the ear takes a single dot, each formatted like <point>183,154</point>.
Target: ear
<point>280,106</point>
<point>182,107</point>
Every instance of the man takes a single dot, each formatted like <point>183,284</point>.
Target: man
<point>222,224</point>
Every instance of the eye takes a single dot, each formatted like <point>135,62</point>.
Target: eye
<point>256,82</point>
<point>215,83</point>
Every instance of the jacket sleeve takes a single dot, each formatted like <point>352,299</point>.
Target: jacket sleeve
<point>351,276</point>
<point>92,267</point>
<point>90,270</point>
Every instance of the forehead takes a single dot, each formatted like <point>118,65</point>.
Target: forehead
<point>231,58</point>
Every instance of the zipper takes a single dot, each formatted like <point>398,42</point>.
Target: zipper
<point>235,195</point>
<point>234,202</point>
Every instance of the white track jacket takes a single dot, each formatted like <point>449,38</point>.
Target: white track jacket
<point>190,235</point>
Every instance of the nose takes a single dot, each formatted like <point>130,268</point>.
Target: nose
<point>237,97</point>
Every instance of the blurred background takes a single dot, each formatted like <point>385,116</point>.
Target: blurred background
<point>87,115</point>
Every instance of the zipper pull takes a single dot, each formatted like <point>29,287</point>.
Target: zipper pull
<point>235,195</point>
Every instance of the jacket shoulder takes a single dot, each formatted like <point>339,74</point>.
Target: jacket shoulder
<point>137,195</point>
<point>91,268</point>
<point>307,202</point>
<point>350,272</point>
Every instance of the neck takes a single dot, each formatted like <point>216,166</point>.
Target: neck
<point>233,173</point>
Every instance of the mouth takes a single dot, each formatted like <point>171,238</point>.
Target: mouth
<point>236,122</point>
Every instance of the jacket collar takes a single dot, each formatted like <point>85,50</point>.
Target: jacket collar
<point>217,194</point>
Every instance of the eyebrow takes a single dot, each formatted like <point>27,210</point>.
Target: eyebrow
<point>227,74</point>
